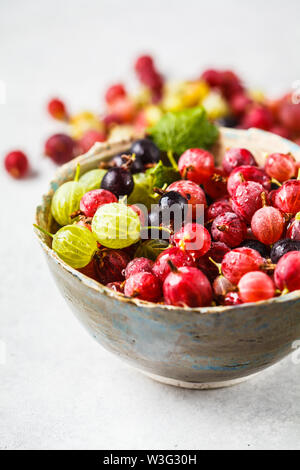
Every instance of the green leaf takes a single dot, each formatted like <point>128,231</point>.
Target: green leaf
<point>142,192</point>
<point>181,130</point>
<point>162,175</point>
<point>151,249</point>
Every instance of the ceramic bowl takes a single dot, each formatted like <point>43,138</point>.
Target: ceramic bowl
<point>196,348</point>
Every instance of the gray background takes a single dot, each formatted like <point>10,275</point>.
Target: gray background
<point>60,389</point>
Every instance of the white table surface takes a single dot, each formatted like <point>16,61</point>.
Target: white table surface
<point>59,388</point>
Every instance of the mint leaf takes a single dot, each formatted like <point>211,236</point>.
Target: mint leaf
<point>181,130</point>
<point>162,175</point>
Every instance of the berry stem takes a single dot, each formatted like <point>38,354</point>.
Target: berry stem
<point>149,227</point>
<point>43,230</point>
<point>242,177</point>
<point>285,291</point>
<point>275,181</point>
<point>128,161</point>
<point>159,191</point>
<point>186,170</point>
<point>222,228</point>
<point>263,199</point>
<point>77,174</point>
<point>123,200</point>
<point>172,160</point>
<point>219,178</point>
<point>172,266</point>
<point>216,264</point>
<point>76,214</point>
<point>268,266</point>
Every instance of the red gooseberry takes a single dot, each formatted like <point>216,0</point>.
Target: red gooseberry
<point>60,148</point>
<point>196,165</point>
<point>89,138</point>
<point>187,287</point>
<point>256,286</point>
<point>193,238</point>
<point>232,298</point>
<point>138,265</point>
<point>178,257</point>
<point>191,192</point>
<point>16,164</point>
<point>247,173</point>
<point>240,261</point>
<point>287,272</point>
<point>236,157</point>
<point>57,109</point>
<point>280,166</point>
<point>229,228</point>
<point>209,262</point>
<point>287,197</point>
<point>218,208</point>
<point>248,198</point>
<point>114,92</point>
<point>92,200</point>
<point>216,185</point>
<point>293,231</point>
<point>110,265</point>
<point>144,286</point>
<point>267,225</point>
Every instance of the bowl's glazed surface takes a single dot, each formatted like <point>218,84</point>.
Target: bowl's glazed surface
<point>197,348</point>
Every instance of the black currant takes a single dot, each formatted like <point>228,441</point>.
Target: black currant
<point>282,247</point>
<point>262,249</point>
<point>228,121</point>
<point>172,198</point>
<point>146,150</point>
<point>136,166</point>
<point>119,181</point>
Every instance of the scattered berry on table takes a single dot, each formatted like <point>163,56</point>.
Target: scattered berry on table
<point>57,109</point>
<point>16,164</point>
<point>60,148</point>
<point>114,92</point>
<point>89,138</point>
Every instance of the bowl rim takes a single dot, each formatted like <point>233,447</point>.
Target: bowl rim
<point>102,289</point>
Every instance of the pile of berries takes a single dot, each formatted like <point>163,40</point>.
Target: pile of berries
<point>220,92</point>
<point>247,248</point>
